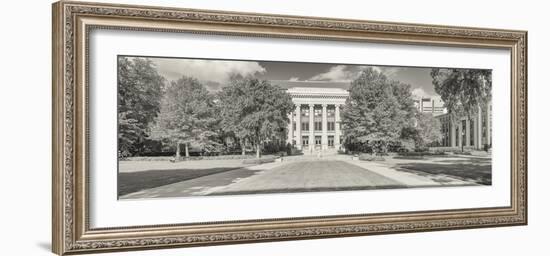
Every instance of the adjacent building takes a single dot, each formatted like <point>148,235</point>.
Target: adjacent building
<point>469,132</point>
<point>432,105</point>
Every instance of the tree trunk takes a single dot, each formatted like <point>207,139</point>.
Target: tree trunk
<point>177,151</point>
<point>243,147</point>
<point>258,150</point>
<point>186,150</point>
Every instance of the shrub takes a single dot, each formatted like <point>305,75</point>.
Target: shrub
<point>466,153</point>
<point>263,160</point>
<point>368,157</point>
<point>421,153</point>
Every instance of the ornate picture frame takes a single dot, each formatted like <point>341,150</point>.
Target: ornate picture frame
<point>72,23</point>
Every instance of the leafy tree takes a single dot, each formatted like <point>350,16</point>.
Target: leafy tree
<point>428,130</point>
<point>140,88</point>
<point>462,90</point>
<point>187,116</point>
<point>254,110</point>
<point>377,110</point>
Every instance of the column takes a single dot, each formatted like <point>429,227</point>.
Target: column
<point>337,126</point>
<point>290,135</point>
<point>489,132</point>
<point>467,142</point>
<point>311,127</point>
<point>453,133</point>
<point>324,136</point>
<point>479,130</point>
<point>460,142</point>
<point>299,126</point>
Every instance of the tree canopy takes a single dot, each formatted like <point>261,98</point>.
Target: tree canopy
<point>140,88</point>
<point>428,130</point>
<point>377,109</point>
<point>462,90</point>
<point>254,110</point>
<point>187,116</point>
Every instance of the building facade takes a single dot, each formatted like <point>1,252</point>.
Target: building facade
<point>434,105</point>
<point>474,132</point>
<point>315,122</point>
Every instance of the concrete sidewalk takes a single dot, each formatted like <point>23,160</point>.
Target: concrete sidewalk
<point>411,179</point>
<point>307,175</point>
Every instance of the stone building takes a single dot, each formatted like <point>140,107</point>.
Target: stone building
<point>471,133</point>
<point>315,122</point>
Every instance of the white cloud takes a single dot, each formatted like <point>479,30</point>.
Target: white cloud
<point>419,93</point>
<point>390,72</point>
<point>343,73</point>
<point>206,70</point>
<point>339,73</point>
<point>294,79</point>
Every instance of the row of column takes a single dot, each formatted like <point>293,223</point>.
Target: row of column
<point>297,135</point>
<point>478,131</point>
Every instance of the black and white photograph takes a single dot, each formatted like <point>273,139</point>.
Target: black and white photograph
<point>217,127</point>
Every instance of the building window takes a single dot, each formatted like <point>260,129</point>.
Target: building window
<point>305,126</point>
<point>318,126</point>
<point>318,119</point>
<point>317,140</point>
<point>294,126</point>
<point>317,112</point>
<point>305,140</point>
<point>304,114</point>
<point>330,112</point>
<point>331,141</point>
<point>330,126</point>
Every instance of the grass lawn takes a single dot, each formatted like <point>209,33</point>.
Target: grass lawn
<point>463,168</point>
<point>129,182</point>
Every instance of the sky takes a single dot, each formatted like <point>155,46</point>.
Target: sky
<point>215,73</point>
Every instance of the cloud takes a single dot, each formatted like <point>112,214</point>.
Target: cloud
<point>389,72</point>
<point>347,73</point>
<point>339,73</point>
<point>419,93</point>
<point>294,79</point>
<point>208,71</point>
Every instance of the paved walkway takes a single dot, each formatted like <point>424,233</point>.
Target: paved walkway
<point>317,175</point>
<point>308,174</point>
<point>411,179</point>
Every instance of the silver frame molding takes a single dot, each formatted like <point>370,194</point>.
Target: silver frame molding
<point>72,22</point>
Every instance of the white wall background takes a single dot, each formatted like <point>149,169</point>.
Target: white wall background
<point>25,149</point>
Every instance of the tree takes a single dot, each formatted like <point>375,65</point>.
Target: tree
<point>255,110</point>
<point>187,116</point>
<point>428,130</point>
<point>377,109</point>
<point>462,90</point>
<point>140,88</point>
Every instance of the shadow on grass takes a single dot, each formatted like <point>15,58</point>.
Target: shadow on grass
<point>136,181</point>
<point>478,171</point>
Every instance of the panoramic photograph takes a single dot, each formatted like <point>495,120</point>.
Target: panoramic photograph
<point>214,127</point>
